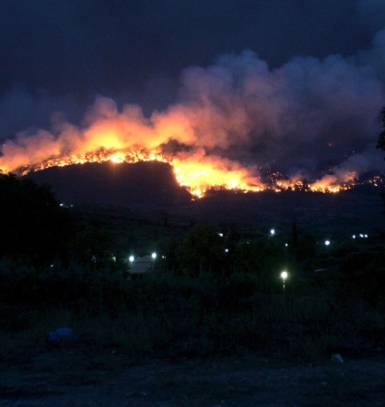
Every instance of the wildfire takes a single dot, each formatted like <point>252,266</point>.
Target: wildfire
<point>100,156</point>
<point>327,184</point>
<point>197,176</point>
<point>377,181</point>
<point>200,174</point>
<point>193,138</point>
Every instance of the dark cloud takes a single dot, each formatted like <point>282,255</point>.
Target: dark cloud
<point>20,109</point>
<point>372,14</point>
<point>94,46</point>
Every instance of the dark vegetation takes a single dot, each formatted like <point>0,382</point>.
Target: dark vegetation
<point>214,289</point>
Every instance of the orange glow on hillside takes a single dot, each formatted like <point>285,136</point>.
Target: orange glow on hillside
<point>197,172</point>
<point>193,139</point>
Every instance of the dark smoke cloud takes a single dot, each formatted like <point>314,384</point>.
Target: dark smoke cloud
<point>315,111</point>
<point>306,112</point>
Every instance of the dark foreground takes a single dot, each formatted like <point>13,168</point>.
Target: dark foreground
<point>70,378</point>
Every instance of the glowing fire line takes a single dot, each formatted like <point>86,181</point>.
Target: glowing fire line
<point>197,176</point>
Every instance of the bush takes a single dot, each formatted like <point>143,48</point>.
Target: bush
<point>206,315</point>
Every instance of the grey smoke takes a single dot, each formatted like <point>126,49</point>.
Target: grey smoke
<point>309,115</point>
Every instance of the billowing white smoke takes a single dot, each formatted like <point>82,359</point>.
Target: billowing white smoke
<point>307,116</point>
<point>308,111</point>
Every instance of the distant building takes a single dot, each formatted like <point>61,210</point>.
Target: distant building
<point>142,265</point>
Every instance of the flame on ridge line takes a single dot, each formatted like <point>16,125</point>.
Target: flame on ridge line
<point>197,176</point>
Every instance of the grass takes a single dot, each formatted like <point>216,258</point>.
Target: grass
<point>187,317</point>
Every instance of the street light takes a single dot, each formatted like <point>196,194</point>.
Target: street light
<point>284,276</point>
<point>131,258</point>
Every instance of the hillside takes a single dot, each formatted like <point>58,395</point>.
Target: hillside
<point>150,187</point>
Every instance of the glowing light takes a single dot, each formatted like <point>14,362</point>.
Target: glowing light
<point>153,256</point>
<point>199,173</point>
<point>327,242</point>
<point>202,174</point>
<point>284,276</point>
<point>118,157</point>
<point>131,258</point>
<point>272,231</point>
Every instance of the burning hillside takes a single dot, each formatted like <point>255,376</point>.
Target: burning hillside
<point>234,123</point>
<point>199,177</point>
<point>196,175</point>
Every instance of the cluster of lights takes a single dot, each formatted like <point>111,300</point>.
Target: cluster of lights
<point>284,274</point>
<point>361,235</point>
<point>131,258</point>
<point>327,242</point>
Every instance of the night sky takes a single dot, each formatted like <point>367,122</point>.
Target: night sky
<point>304,79</point>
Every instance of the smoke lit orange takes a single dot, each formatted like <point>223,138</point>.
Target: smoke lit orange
<point>198,173</point>
<point>197,176</point>
<point>195,139</point>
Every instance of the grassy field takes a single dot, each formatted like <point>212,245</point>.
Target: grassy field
<point>212,313</point>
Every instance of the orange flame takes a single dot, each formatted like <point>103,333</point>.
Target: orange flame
<point>199,173</point>
<point>127,136</point>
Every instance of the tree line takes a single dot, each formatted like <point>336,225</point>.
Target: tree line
<point>37,230</point>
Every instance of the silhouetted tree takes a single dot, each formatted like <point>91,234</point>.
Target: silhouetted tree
<point>170,262</point>
<point>202,250</point>
<point>294,234</point>
<point>92,246</point>
<point>381,142</point>
<point>34,227</point>
<point>264,259</point>
<point>305,248</point>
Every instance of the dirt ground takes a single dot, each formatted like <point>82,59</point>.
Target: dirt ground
<point>69,378</point>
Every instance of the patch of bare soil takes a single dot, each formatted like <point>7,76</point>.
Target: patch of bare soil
<point>64,378</point>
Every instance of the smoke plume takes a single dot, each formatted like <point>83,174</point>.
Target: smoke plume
<point>313,117</point>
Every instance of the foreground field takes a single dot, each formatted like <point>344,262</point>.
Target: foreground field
<point>213,324</point>
<point>73,378</point>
